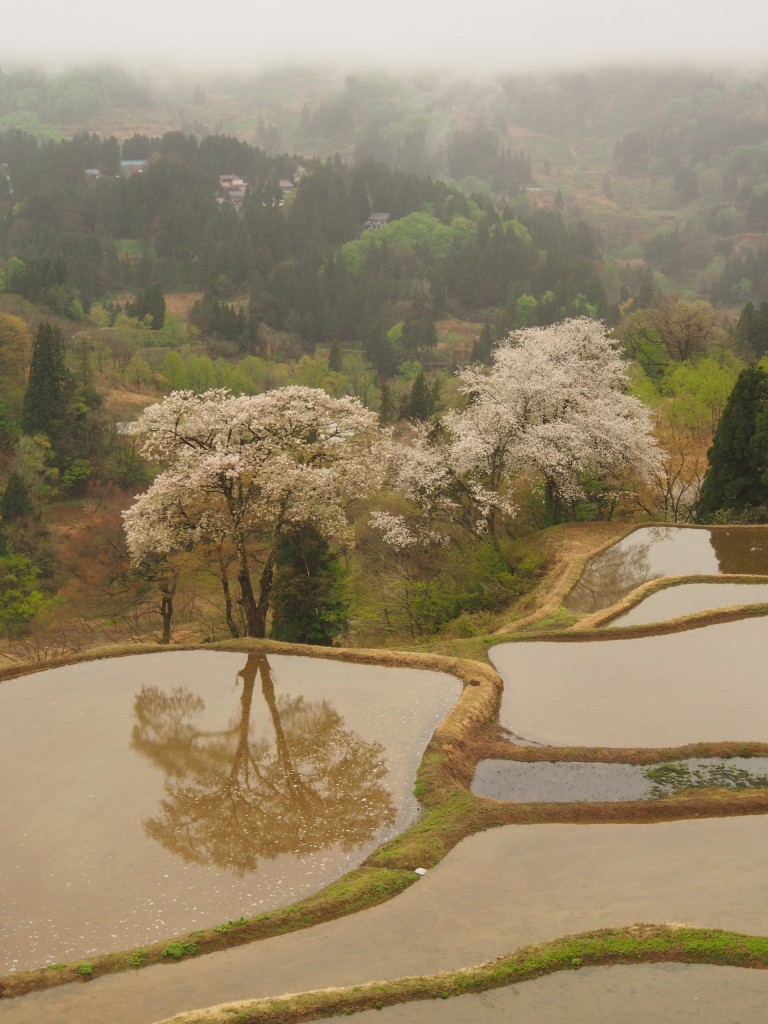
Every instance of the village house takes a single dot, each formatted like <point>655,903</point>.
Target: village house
<point>376,221</point>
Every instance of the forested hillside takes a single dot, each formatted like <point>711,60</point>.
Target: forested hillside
<point>368,237</point>
<point>669,164</point>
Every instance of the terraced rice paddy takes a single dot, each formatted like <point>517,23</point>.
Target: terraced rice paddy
<point>509,887</point>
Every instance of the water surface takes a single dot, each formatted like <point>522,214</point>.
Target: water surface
<point>688,598</point>
<point>631,994</point>
<point>655,551</point>
<point>704,684</point>
<point>156,794</point>
<point>495,892</point>
<point>571,781</point>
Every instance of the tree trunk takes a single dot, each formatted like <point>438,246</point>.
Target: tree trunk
<point>254,621</point>
<point>265,593</point>
<point>224,577</point>
<point>168,590</point>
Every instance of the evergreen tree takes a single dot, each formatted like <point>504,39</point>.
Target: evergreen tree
<point>386,404</point>
<point>48,391</point>
<point>418,405</point>
<point>16,502</point>
<point>334,357</point>
<point>422,401</point>
<point>309,604</point>
<point>481,349</point>
<point>149,302</point>
<point>738,458</point>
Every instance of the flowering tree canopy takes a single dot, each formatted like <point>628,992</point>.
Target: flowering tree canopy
<point>237,471</point>
<point>553,407</point>
<point>553,404</point>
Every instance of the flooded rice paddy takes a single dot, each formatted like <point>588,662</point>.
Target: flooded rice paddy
<point>634,994</point>
<point>655,551</point>
<point>180,753</point>
<point>689,598</point>
<point>571,781</point>
<point>156,794</point>
<point>493,893</point>
<point>706,684</point>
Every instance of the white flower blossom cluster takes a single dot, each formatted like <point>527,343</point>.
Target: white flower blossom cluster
<point>553,407</point>
<point>553,403</point>
<point>238,467</point>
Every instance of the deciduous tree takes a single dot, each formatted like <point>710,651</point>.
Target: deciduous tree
<point>239,471</point>
<point>552,407</point>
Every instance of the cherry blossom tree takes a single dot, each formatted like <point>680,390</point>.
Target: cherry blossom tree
<point>238,471</point>
<point>551,408</point>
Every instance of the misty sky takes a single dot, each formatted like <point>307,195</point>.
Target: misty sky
<point>483,35</point>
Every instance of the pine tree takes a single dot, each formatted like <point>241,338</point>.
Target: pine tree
<point>386,404</point>
<point>16,502</point>
<point>334,357</point>
<point>309,604</point>
<point>49,388</point>
<point>149,302</point>
<point>738,458</point>
<point>418,406</point>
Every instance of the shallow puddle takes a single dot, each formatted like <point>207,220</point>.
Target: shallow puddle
<point>685,993</point>
<point>655,551</point>
<point>571,781</point>
<point>705,684</point>
<point>688,598</point>
<point>156,794</point>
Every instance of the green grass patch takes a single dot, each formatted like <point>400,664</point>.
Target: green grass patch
<point>179,949</point>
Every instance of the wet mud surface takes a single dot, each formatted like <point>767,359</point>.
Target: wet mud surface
<point>572,781</point>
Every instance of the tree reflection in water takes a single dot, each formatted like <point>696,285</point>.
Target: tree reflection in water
<point>231,798</point>
<point>741,549</point>
<point>609,577</point>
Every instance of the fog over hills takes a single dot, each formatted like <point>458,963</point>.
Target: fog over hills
<point>486,36</point>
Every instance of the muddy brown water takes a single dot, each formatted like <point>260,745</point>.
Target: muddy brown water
<point>655,551</point>
<point>636,994</point>
<point>495,892</point>
<point>571,781</point>
<point>151,795</point>
<point>688,598</point>
<point>705,684</point>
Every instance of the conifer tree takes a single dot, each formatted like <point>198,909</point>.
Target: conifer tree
<point>48,390</point>
<point>334,357</point>
<point>738,458</point>
<point>16,502</point>
<point>309,605</point>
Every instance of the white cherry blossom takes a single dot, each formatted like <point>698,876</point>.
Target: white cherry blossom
<point>237,471</point>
